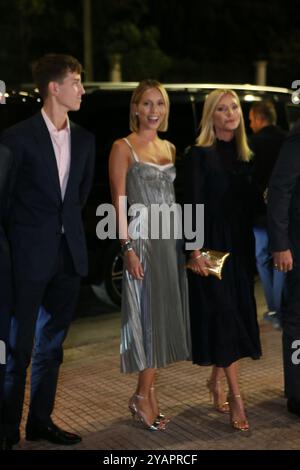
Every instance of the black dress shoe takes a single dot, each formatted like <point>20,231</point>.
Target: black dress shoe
<point>293,407</point>
<point>7,443</point>
<point>51,433</point>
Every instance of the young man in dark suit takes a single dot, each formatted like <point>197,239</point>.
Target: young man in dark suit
<point>52,176</point>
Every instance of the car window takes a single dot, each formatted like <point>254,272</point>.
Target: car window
<point>15,111</point>
<point>293,114</point>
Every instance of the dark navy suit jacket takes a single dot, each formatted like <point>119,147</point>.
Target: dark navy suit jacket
<point>37,210</point>
<point>266,145</point>
<point>5,169</point>
<point>284,198</point>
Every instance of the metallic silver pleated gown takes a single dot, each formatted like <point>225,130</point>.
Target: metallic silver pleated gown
<point>155,318</point>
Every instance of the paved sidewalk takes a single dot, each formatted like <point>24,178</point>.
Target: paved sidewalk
<point>92,398</point>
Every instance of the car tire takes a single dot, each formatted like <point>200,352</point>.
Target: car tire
<point>113,274</point>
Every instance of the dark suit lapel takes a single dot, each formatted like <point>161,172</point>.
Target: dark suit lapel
<point>45,145</point>
<point>75,153</point>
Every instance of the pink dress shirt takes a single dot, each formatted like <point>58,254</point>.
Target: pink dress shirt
<point>61,141</point>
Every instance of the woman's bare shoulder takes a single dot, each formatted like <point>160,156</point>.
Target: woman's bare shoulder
<point>122,146</point>
<point>172,148</point>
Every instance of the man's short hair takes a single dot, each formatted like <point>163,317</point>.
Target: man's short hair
<point>266,110</point>
<point>53,67</point>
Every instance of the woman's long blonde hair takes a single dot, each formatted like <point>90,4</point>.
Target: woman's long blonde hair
<point>207,136</point>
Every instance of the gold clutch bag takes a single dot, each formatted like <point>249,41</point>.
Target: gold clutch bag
<point>217,259</point>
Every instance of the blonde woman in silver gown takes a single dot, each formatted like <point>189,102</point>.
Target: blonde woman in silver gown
<point>155,319</point>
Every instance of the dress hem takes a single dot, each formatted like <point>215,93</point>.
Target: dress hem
<point>254,357</point>
<point>136,370</point>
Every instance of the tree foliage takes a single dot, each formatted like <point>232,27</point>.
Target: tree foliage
<point>30,28</point>
<point>173,40</point>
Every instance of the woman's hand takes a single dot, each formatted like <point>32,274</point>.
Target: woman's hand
<point>133,265</point>
<point>199,264</point>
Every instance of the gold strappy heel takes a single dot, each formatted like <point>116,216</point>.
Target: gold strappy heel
<point>238,424</point>
<point>213,386</point>
<point>137,413</point>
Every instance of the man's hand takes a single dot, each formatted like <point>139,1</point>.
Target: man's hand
<point>283,260</point>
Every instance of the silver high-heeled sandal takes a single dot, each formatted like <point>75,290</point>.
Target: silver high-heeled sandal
<point>136,413</point>
<point>160,417</point>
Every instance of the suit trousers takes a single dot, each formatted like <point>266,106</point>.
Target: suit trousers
<point>43,312</point>
<point>291,334</point>
<point>5,309</point>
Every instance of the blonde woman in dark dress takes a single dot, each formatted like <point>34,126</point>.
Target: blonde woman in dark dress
<point>224,325</point>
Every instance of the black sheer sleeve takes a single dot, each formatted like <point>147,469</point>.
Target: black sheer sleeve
<point>194,185</point>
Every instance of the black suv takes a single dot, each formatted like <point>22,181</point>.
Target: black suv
<point>105,112</point>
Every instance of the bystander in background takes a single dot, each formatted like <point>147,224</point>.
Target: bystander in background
<point>265,142</point>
